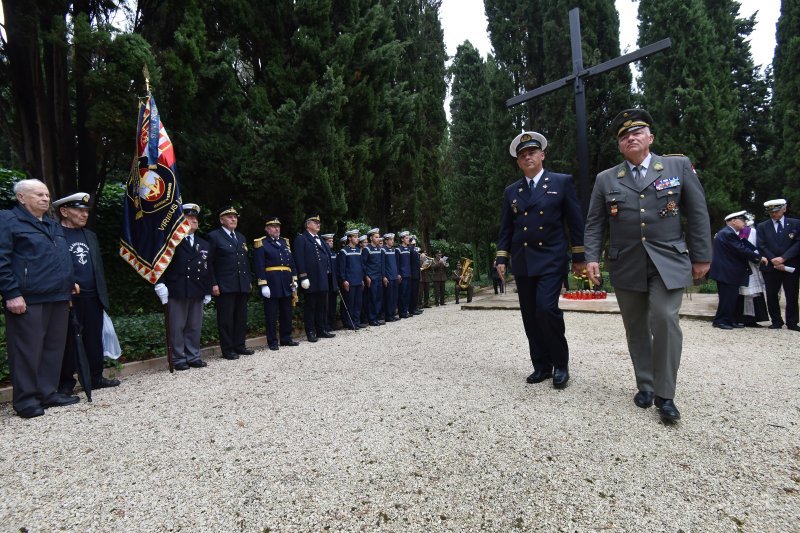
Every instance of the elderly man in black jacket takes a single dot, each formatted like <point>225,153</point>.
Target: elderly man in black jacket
<point>36,280</point>
<point>92,299</point>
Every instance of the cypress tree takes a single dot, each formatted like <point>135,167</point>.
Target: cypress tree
<point>786,107</point>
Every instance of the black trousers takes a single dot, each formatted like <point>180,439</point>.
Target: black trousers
<point>89,312</point>
<point>726,308</point>
<point>232,321</point>
<point>278,310</point>
<point>413,301</point>
<point>543,320</point>
<point>351,305</point>
<point>315,311</point>
<point>774,280</point>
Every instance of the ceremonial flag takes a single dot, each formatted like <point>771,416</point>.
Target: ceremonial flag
<point>153,223</point>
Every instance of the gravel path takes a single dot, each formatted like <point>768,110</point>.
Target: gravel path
<point>426,424</point>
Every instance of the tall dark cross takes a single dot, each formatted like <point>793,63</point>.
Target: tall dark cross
<point>578,78</point>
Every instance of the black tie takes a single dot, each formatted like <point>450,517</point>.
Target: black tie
<point>233,236</point>
<point>779,228</point>
<point>191,241</point>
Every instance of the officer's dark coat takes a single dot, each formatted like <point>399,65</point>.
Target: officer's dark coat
<point>637,228</point>
<point>532,226</point>
<point>231,266</point>
<point>275,265</point>
<point>313,261</point>
<point>731,254</point>
<point>189,273</point>
<point>786,245</point>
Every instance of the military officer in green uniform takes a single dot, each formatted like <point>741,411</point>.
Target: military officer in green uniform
<point>652,256</point>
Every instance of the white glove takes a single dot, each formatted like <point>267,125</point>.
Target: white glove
<point>162,292</point>
<point>305,284</point>
<point>206,299</point>
<point>265,291</point>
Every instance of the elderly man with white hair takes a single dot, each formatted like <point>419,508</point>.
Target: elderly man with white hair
<point>36,282</point>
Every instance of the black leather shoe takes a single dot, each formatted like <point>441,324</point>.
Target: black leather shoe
<point>775,326</point>
<point>737,325</point>
<point>417,311</point>
<point>290,342</point>
<point>794,327</point>
<point>644,398</point>
<point>753,325</point>
<point>66,390</point>
<point>246,351</point>
<point>327,335</point>
<point>375,323</point>
<point>667,410</point>
<point>363,324</point>
<point>273,347</point>
<point>197,364</point>
<point>58,400</point>
<point>181,366</point>
<point>31,412</point>
<point>538,376</point>
<point>722,326</point>
<point>104,383</point>
<point>404,315</point>
<point>560,378</point>
<point>230,356</point>
<point>311,337</point>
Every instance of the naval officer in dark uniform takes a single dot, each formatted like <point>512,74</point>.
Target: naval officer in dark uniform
<point>730,269</point>
<point>277,279</point>
<point>652,256</point>
<point>313,259</point>
<point>186,286</point>
<point>779,240</point>
<point>535,211</point>
<point>230,285</point>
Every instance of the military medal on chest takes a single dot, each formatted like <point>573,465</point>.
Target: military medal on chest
<point>514,206</point>
<point>671,209</point>
<point>614,209</point>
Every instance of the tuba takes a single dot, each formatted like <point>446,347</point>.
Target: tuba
<point>465,278</point>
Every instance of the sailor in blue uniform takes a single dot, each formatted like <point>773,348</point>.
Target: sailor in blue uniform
<point>364,319</point>
<point>375,275</point>
<point>404,269</point>
<point>392,274</point>
<point>333,286</point>
<point>350,269</point>
<point>277,280</point>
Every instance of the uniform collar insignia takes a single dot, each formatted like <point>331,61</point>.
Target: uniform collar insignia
<point>621,172</point>
<point>658,166</point>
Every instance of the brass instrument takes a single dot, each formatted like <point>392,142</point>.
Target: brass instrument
<point>426,262</point>
<point>465,279</point>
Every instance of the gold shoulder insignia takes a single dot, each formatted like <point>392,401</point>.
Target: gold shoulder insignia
<point>674,155</point>
<point>621,172</point>
<point>258,243</point>
<point>288,243</point>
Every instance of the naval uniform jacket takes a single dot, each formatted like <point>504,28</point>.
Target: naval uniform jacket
<point>350,266</point>
<point>404,261</point>
<point>532,226</point>
<point>189,274</point>
<point>391,263</point>
<point>374,264</point>
<point>231,266</point>
<point>731,254</point>
<point>313,261</point>
<point>787,245</point>
<point>275,266</point>
<point>645,221</point>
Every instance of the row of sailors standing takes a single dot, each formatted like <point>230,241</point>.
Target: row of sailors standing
<point>375,281</point>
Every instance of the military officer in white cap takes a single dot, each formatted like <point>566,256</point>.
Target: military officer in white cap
<point>779,241</point>
<point>730,269</point>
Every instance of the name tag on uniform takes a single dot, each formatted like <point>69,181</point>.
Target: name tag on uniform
<point>667,183</point>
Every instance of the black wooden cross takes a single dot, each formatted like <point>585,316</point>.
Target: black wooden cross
<point>577,78</point>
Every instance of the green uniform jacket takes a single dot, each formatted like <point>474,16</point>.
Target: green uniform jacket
<point>646,221</point>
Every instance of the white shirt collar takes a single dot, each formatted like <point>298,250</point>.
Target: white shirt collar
<point>535,179</point>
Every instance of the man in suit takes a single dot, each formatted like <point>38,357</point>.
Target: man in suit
<point>730,269</point>
<point>36,281</point>
<point>92,300</point>
<point>313,259</point>
<point>230,285</point>
<point>535,211</point>
<point>277,278</point>
<point>649,260</point>
<point>779,241</point>
<point>186,286</point>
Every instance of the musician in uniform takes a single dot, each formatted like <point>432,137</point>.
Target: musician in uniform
<point>439,277</point>
<point>350,269</point>
<point>413,298</point>
<point>313,259</point>
<point>536,209</point>
<point>186,287</point>
<point>652,255</point>
<point>333,285</point>
<point>230,285</point>
<point>277,280</point>
<point>375,275</point>
<point>458,276</point>
<point>425,279</point>
<point>779,241</point>
<point>404,271</point>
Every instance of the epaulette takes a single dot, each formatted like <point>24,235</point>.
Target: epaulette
<point>258,243</point>
<point>288,244</point>
<point>674,155</point>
